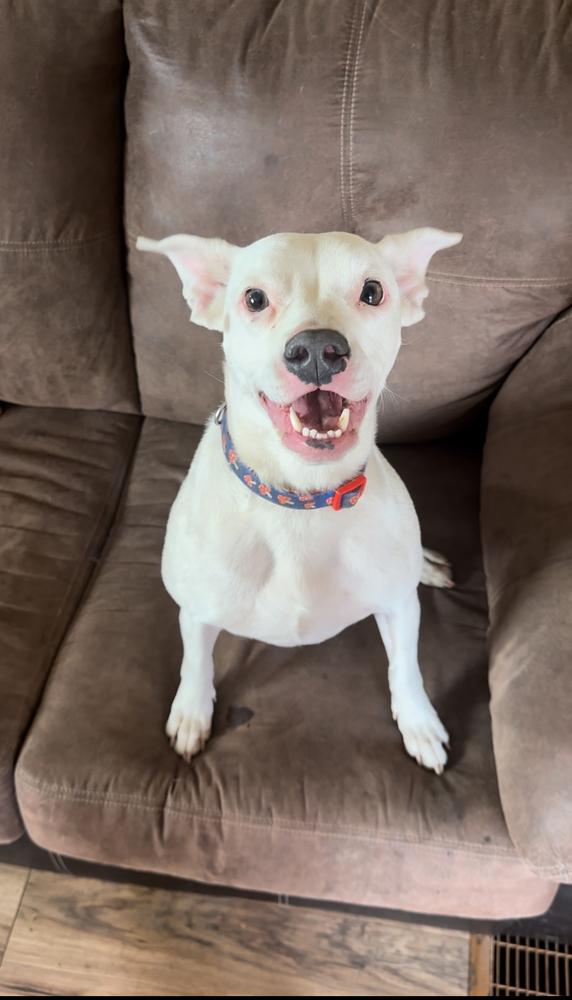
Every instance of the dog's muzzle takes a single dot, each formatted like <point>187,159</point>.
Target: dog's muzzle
<point>315,356</point>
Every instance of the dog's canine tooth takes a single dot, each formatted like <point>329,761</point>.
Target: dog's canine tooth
<point>295,420</point>
<point>306,432</point>
<point>344,420</point>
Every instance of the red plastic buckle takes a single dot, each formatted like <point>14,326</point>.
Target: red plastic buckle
<point>357,483</point>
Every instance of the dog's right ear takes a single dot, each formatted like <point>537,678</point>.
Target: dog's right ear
<point>204,269</point>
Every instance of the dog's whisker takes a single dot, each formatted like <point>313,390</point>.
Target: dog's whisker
<point>213,376</point>
<point>413,340</point>
<point>394,395</point>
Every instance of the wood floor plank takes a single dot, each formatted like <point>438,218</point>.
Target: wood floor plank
<point>12,885</point>
<point>480,965</point>
<point>80,937</point>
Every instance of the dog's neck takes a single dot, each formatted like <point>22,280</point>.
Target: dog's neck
<point>258,445</point>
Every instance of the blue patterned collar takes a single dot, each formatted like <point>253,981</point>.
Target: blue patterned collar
<point>346,495</point>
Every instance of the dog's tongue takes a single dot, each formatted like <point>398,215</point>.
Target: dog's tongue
<point>319,409</point>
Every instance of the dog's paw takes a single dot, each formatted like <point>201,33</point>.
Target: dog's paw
<point>189,723</point>
<point>424,736</point>
<point>436,570</point>
<point>188,732</point>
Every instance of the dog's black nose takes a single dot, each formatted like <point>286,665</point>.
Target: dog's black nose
<point>315,356</point>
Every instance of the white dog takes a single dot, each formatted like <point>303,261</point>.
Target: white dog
<point>290,524</point>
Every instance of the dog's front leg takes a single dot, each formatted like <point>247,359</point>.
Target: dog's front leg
<point>423,733</point>
<point>189,722</point>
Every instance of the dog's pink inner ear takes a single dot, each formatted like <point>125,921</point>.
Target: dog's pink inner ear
<point>200,286</point>
<point>204,267</point>
<point>408,255</point>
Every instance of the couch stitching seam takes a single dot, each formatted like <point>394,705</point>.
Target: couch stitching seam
<point>38,246</point>
<point>354,87</point>
<point>461,279</point>
<point>292,826</point>
<point>345,166</point>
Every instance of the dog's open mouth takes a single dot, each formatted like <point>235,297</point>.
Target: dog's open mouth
<point>320,415</point>
<point>319,419</point>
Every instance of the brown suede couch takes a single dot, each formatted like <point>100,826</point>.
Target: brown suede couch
<point>237,118</point>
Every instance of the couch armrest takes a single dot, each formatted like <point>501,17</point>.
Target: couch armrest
<point>526,512</point>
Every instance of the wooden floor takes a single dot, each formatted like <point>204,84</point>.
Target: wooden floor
<point>67,936</point>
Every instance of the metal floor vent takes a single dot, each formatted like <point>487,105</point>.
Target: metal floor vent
<point>529,967</point>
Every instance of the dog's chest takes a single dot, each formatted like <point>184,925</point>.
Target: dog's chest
<point>286,582</point>
<point>294,595</point>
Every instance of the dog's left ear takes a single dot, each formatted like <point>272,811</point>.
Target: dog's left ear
<point>408,255</point>
<point>204,268</point>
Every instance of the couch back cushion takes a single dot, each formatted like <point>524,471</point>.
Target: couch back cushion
<point>64,332</point>
<point>246,117</point>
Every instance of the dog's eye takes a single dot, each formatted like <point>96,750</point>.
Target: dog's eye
<point>372,293</point>
<point>256,300</point>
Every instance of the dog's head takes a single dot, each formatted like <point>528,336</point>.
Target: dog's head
<point>311,326</point>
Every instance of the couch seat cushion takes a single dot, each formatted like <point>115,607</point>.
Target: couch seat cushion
<point>304,788</point>
<point>61,474</point>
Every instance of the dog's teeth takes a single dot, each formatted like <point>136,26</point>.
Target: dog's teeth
<point>331,434</point>
<point>344,420</point>
<point>337,434</point>
<point>321,437</point>
<point>313,433</point>
<point>295,420</point>
<point>305,432</point>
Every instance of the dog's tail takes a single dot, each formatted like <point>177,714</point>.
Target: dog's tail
<point>142,243</point>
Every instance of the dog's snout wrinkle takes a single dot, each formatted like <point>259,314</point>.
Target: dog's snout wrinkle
<point>315,356</point>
